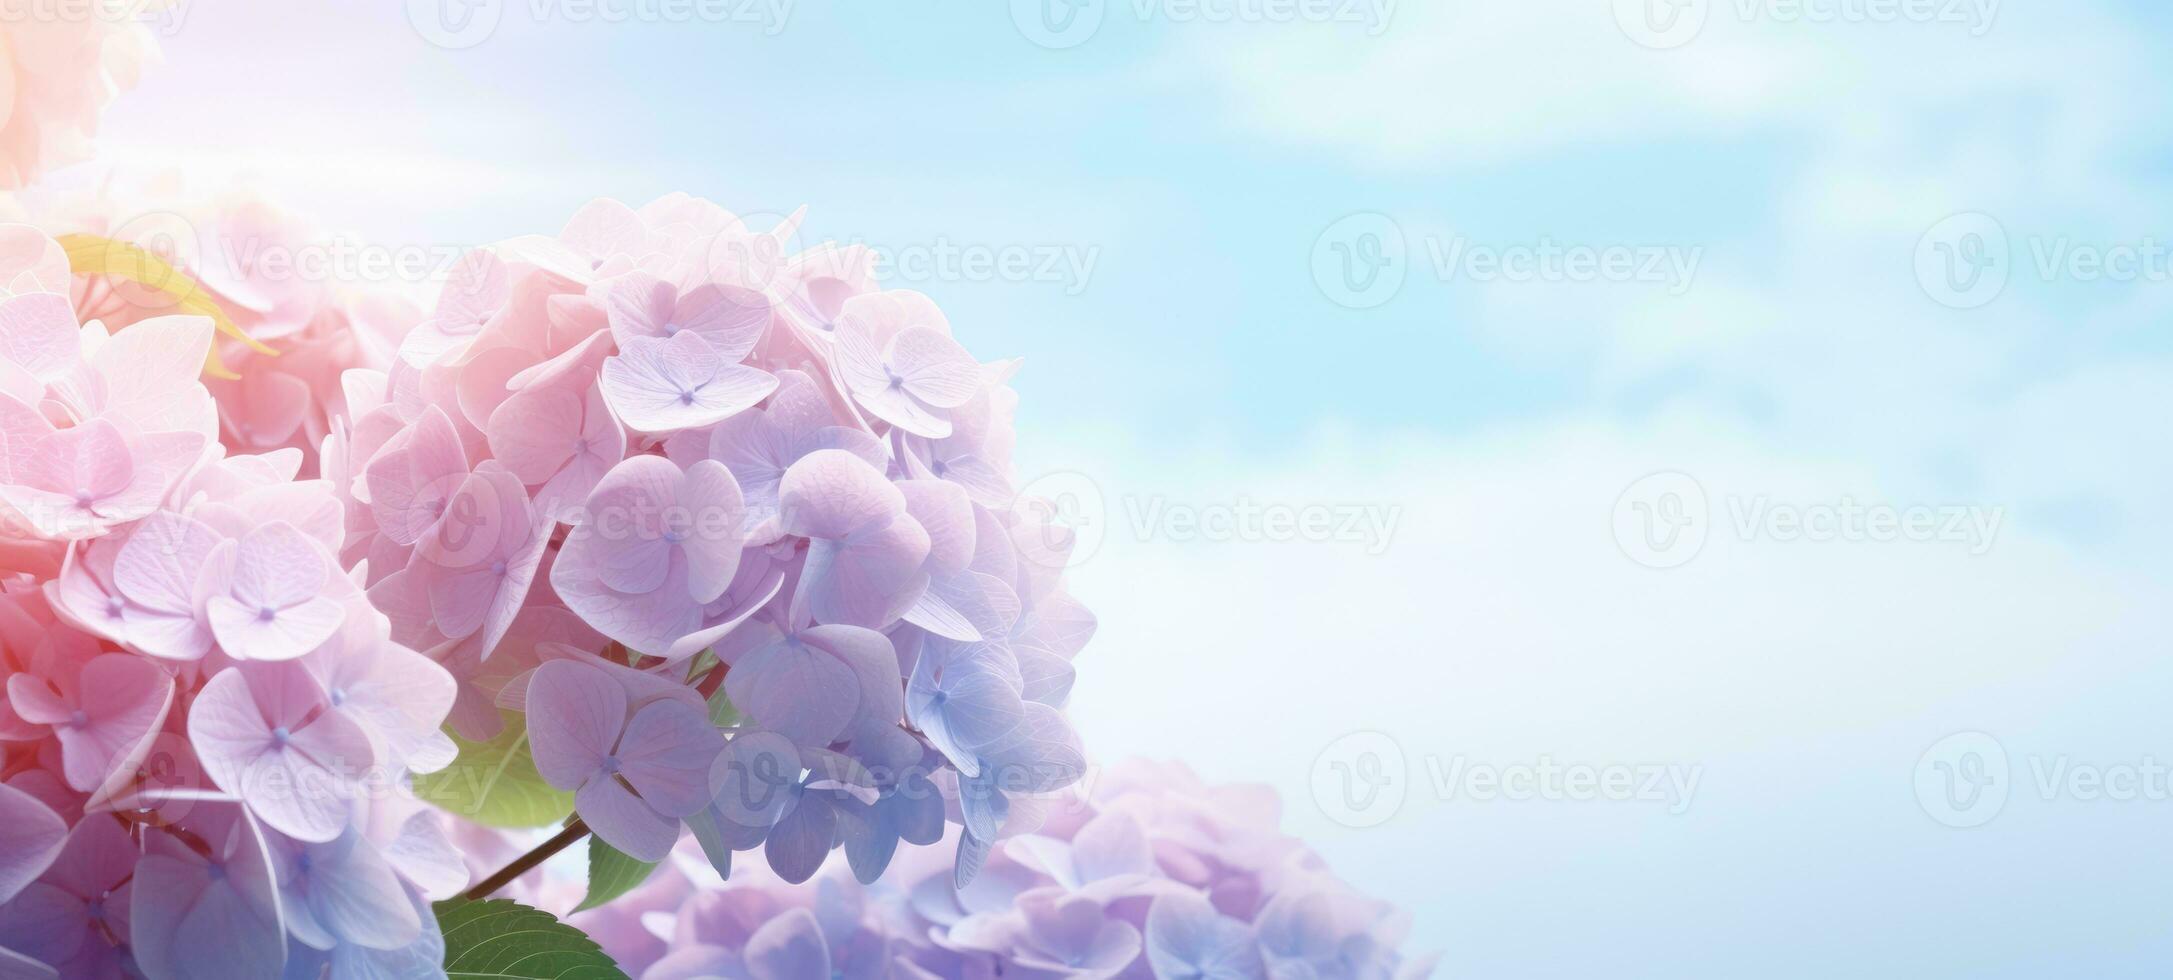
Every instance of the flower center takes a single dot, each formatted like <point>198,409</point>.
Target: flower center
<point>280,736</point>
<point>77,719</point>
<point>611,765</point>
<point>267,614</point>
<point>215,871</point>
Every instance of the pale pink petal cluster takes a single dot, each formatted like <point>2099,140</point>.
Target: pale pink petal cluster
<point>313,306</point>
<point>194,689</point>
<point>60,65</point>
<point>669,468</point>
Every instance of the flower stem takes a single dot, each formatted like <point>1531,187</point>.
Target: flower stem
<point>527,862</point>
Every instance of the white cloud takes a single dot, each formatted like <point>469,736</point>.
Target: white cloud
<point>1485,82</point>
<point>1504,623</point>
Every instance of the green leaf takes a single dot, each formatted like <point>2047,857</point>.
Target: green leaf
<point>721,712</point>
<point>495,783</point>
<point>91,255</point>
<point>611,873</point>
<point>505,940</point>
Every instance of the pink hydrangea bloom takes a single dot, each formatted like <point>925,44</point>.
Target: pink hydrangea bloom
<point>311,313</point>
<point>206,729</point>
<point>704,470</point>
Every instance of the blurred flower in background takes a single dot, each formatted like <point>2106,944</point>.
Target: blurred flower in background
<point>60,64</point>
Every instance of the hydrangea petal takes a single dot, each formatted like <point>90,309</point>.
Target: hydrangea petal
<point>795,689</point>
<point>833,494</point>
<point>933,367</point>
<point>664,385</point>
<point>575,715</point>
<point>666,753</point>
<point>802,838</point>
<point>31,836</point>
<point>159,571</point>
<point>123,700</point>
<point>788,947</point>
<point>150,372</point>
<point>869,580</point>
<point>38,333</point>
<point>712,541</point>
<point>624,821</point>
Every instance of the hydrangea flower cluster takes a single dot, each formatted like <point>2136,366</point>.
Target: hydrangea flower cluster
<point>734,528</point>
<point>60,64</point>
<point>1152,873</point>
<point>297,326</point>
<point>205,724</point>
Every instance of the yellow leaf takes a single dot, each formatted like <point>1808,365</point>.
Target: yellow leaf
<point>92,255</point>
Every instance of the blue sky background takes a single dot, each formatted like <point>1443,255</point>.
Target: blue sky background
<point>1807,362</point>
